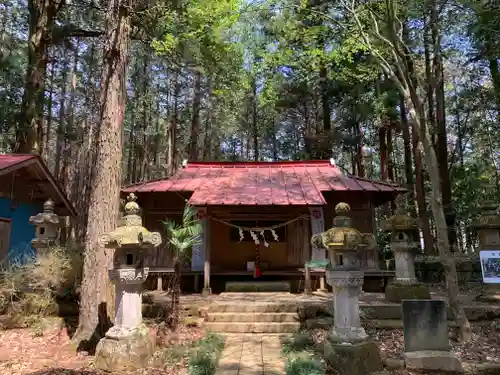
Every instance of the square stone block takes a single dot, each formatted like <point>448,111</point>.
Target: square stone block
<point>425,325</point>
<point>433,360</point>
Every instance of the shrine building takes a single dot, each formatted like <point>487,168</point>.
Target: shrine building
<point>257,214</point>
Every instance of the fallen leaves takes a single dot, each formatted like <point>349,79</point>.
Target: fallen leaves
<point>22,353</point>
<point>484,346</point>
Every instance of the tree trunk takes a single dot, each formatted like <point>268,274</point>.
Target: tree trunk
<point>443,244</point>
<point>48,131</point>
<point>441,134</point>
<point>255,129</point>
<point>195,121</point>
<point>172,135</point>
<point>62,118</point>
<point>325,100</point>
<point>29,132</point>
<point>96,300</point>
<point>495,77</point>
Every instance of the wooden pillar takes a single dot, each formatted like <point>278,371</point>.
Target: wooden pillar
<point>322,287</point>
<point>206,269</point>
<point>196,282</point>
<point>159,284</point>
<point>307,284</point>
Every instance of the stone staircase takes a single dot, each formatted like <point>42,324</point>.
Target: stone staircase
<point>252,317</point>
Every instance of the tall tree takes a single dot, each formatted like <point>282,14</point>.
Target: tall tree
<point>96,297</point>
<point>401,70</point>
<point>29,132</point>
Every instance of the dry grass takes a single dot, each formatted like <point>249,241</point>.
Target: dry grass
<point>31,289</point>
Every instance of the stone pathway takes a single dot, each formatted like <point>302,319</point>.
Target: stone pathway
<point>252,354</point>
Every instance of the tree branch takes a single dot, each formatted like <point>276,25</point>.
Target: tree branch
<point>72,31</point>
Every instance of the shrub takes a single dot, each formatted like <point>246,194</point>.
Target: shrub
<point>300,356</point>
<point>32,288</point>
<point>299,342</point>
<point>204,358</point>
<point>303,363</point>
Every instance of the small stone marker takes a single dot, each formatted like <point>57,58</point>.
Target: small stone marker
<point>425,325</point>
<point>426,337</point>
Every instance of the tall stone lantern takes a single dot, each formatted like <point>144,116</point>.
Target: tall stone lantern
<point>487,225</point>
<point>347,338</point>
<point>127,345</point>
<point>403,245</point>
<point>47,228</point>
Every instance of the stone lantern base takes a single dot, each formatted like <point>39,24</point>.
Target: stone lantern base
<point>490,293</point>
<point>358,358</point>
<point>398,290</point>
<point>124,350</point>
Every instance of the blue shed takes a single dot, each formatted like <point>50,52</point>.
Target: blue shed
<point>25,184</point>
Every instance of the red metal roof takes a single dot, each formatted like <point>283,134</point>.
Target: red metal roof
<point>14,162</point>
<point>261,183</point>
<point>9,160</point>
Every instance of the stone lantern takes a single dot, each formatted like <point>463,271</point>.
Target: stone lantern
<point>347,338</point>
<point>127,345</point>
<point>487,225</point>
<point>47,228</point>
<point>403,245</point>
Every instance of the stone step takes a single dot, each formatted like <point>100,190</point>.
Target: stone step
<point>238,327</point>
<point>240,308</point>
<point>252,317</point>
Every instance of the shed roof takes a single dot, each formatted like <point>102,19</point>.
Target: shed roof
<point>262,183</point>
<point>31,169</point>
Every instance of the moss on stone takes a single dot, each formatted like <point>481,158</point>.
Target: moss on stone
<point>396,292</point>
<point>354,359</point>
<point>258,286</point>
<point>125,354</point>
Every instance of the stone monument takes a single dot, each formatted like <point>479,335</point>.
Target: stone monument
<point>47,228</point>
<point>487,225</point>
<point>427,346</point>
<point>348,347</point>
<point>403,228</point>
<point>127,345</point>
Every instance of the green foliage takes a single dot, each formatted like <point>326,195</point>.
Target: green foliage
<point>300,356</point>
<point>304,364</point>
<point>299,342</point>
<point>185,235</point>
<point>204,358</point>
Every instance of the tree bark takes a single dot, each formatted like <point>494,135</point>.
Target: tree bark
<point>255,129</point>
<point>96,299</point>
<point>62,117</point>
<point>441,134</point>
<point>195,121</point>
<point>401,72</point>
<point>29,132</point>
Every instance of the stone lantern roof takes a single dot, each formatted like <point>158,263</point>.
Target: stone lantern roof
<point>131,233</point>
<point>47,216</point>
<point>343,236</point>
<point>400,221</point>
<point>489,217</point>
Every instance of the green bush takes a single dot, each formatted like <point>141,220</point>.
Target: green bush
<point>204,358</point>
<point>303,363</point>
<point>300,356</point>
<point>300,341</point>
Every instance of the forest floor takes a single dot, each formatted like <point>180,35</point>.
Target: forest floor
<point>28,352</point>
<point>23,352</point>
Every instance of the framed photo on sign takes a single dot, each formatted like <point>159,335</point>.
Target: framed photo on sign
<point>490,266</point>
